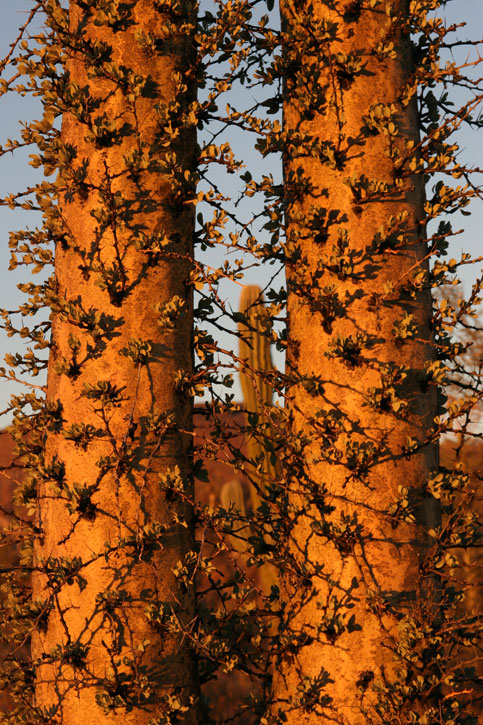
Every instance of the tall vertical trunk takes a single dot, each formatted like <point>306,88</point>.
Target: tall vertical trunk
<point>115,517</point>
<point>358,342</point>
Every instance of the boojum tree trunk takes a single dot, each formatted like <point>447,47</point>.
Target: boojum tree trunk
<point>359,342</point>
<point>115,521</point>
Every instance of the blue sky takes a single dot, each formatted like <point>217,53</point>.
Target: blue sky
<point>16,174</point>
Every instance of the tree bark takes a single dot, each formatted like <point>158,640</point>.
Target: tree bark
<point>355,580</point>
<point>115,516</point>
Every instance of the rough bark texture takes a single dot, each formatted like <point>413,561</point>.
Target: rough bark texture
<point>356,566</point>
<point>115,618</point>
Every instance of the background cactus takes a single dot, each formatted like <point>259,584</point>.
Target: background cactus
<point>232,497</point>
<point>254,350</point>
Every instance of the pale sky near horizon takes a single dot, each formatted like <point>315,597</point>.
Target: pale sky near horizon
<point>15,173</point>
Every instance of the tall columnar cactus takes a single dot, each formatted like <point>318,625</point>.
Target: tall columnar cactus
<point>254,350</point>
<point>257,390</point>
<point>232,498</point>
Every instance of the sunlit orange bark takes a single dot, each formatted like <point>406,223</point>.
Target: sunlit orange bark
<point>356,566</point>
<point>116,619</point>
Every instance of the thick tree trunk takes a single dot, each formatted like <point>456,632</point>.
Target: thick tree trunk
<point>109,647</point>
<point>355,575</point>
